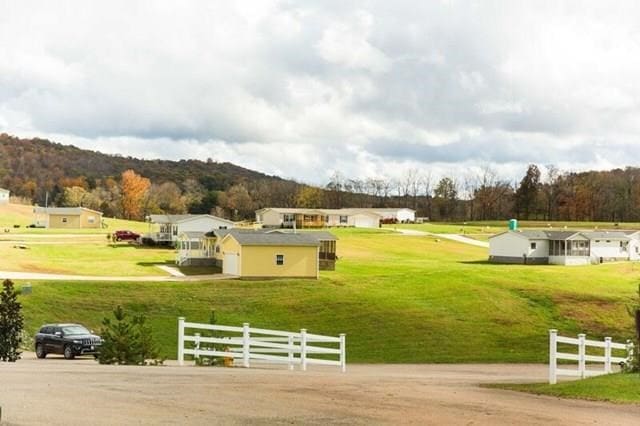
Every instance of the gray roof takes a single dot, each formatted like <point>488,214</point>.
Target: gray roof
<point>606,235</point>
<point>177,218</point>
<point>262,238</point>
<point>540,234</point>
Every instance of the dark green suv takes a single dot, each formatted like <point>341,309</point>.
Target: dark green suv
<point>70,340</point>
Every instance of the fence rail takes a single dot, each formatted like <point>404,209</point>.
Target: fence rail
<point>292,348</point>
<point>582,358</point>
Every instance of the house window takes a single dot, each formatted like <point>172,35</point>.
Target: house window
<point>64,220</point>
<point>279,259</point>
<point>217,249</point>
<point>222,227</point>
<point>91,219</point>
<point>533,246</point>
<point>288,217</point>
<point>344,219</point>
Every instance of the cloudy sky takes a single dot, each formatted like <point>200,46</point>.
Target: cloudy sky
<point>302,89</point>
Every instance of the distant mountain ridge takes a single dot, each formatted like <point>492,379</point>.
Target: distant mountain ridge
<point>30,167</point>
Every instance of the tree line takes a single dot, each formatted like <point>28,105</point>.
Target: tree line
<point>43,172</point>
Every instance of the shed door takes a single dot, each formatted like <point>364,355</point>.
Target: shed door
<point>230,264</point>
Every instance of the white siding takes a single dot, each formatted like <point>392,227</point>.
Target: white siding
<point>508,245</point>
<point>203,224</point>
<point>608,249</point>
<point>4,196</point>
<point>364,221</point>
<point>269,218</point>
<point>404,215</point>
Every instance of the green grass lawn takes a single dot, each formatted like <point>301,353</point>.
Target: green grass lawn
<point>81,256</point>
<point>399,299</point>
<point>621,388</point>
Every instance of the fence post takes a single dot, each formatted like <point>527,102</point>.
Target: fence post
<point>245,345</point>
<point>291,353</point>
<point>180,340</point>
<point>582,367</point>
<point>303,349</point>
<point>196,349</point>
<point>607,355</point>
<point>343,352</point>
<point>553,362</point>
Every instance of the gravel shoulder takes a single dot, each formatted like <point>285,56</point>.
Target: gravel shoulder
<point>55,391</point>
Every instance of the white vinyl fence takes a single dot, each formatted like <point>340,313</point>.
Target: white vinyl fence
<point>607,347</point>
<point>246,344</point>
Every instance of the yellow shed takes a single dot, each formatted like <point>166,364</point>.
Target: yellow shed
<point>67,218</point>
<point>269,255</point>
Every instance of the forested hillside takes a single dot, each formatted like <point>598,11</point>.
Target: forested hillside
<point>33,168</point>
<point>132,188</point>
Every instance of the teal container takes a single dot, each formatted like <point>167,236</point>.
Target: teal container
<point>513,224</point>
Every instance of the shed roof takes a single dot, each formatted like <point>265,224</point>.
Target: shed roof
<point>6,191</point>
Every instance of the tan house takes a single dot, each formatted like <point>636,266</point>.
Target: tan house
<point>67,218</point>
<point>270,255</point>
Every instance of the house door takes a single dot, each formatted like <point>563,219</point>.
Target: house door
<point>230,264</point>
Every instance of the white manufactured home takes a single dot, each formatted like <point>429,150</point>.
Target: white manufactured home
<point>564,247</point>
<point>169,227</point>
<point>273,217</point>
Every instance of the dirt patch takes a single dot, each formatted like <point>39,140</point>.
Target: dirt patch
<point>45,391</point>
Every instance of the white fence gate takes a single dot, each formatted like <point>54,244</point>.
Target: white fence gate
<point>582,358</point>
<point>246,343</point>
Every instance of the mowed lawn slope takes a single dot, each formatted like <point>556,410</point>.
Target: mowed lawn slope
<point>399,298</point>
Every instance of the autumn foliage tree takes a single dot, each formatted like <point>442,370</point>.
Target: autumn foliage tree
<point>134,189</point>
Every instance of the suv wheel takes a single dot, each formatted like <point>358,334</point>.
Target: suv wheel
<point>40,353</point>
<point>68,352</point>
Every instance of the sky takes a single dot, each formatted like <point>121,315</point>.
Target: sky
<point>303,89</point>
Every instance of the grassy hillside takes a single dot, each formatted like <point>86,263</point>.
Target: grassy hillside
<point>398,298</point>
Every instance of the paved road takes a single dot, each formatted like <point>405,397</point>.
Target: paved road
<point>455,237</point>
<point>54,391</point>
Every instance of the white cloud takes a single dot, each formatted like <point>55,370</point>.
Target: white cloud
<point>300,89</point>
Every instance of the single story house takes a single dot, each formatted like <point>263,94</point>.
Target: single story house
<point>169,227</point>
<point>4,195</point>
<point>298,218</point>
<point>67,218</point>
<point>564,247</point>
<point>247,252</point>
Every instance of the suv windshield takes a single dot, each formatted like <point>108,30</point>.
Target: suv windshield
<point>74,330</point>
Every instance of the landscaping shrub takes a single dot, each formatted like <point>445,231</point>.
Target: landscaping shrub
<point>11,323</point>
<point>127,340</point>
<point>634,312</point>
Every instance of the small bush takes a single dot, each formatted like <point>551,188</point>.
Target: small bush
<point>127,340</point>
